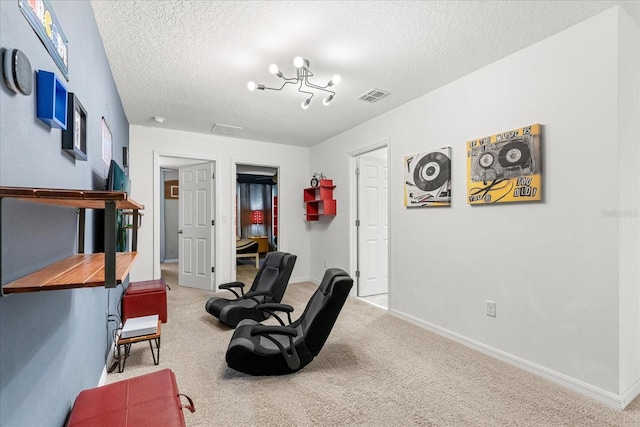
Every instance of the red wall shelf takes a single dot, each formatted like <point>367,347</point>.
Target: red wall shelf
<point>319,200</point>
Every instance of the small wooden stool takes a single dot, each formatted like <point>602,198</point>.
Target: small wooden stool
<point>126,342</point>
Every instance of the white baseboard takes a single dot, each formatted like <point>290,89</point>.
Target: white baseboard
<point>630,393</point>
<point>107,365</point>
<point>614,401</point>
<point>300,279</point>
<point>103,377</point>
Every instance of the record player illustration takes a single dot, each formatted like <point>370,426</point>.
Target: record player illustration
<point>503,160</point>
<point>428,179</point>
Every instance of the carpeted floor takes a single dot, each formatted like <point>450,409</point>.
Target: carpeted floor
<point>246,271</point>
<point>375,370</point>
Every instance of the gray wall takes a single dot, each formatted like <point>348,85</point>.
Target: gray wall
<point>52,344</point>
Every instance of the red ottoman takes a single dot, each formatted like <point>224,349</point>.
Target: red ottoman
<point>147,400</point>
<point>145,298</point>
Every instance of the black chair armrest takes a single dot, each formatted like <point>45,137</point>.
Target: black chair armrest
<point>290,357</point>
<point>273,307</point>
<point>273,330</point>
<point>229,287</point>
<point>276,306</point>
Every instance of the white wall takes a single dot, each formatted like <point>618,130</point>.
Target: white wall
<point>554,268</point>
<point>147,144</point>
<point>629,205</point>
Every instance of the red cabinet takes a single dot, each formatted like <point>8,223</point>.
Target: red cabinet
<point>319,200</point>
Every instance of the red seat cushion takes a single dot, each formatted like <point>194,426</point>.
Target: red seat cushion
<point>144,299</point>
<point>145,286</point>
<point>147,400</point>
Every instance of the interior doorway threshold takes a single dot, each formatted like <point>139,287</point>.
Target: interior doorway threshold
<point>380,300</point>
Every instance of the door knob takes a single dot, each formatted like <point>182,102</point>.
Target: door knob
<point>179,231</point>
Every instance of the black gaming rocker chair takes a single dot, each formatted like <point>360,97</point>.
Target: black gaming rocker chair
<point>268,287</point>
<point>258,349</point>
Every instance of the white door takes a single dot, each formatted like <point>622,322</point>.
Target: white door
<point>373,242</point>
<point>195,226</point>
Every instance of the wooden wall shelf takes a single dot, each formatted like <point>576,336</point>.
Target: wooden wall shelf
<point>77,271</point>
<point>91,199</point>
<point>80,270</point>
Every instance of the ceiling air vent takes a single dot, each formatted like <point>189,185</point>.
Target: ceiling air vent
<point>373,95</point>
<point>226,130</point>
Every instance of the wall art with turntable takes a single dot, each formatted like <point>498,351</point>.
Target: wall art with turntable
<point>505,167</point>
<point>428,178</point>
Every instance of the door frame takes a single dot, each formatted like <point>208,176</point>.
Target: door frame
<point>353,213</point>
<point>169,159</point>
<point>234,194</point>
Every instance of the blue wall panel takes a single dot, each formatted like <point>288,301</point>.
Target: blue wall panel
<point>52,344</point>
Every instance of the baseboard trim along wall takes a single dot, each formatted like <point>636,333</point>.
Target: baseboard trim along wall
<point>617,402</point>
<point>109,362</point>
<point>630,393</point>
<point>103,377</point>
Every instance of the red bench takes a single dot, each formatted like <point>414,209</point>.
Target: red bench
<point>147,400</point>
<point>145,298</point>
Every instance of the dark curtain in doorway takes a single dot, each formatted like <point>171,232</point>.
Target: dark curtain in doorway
<point>255,197</point>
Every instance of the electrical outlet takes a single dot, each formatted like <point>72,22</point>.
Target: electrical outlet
<point>491,308</point>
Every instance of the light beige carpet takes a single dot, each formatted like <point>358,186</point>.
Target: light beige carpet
<point>375,370</point>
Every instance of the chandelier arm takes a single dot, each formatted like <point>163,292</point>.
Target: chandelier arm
<point>314,86</point>
<point>290,79</point>
<point>283,85</point>
<point>304,91</point>
<point>323,88</point>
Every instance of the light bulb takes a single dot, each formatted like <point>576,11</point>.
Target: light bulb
<point>298,62</point>
<point>327,100</point>
<point>306,103</point>
<point>273,69</point>
<point>335,80</point>
<point>252,86</point>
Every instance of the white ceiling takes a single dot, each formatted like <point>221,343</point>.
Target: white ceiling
<point>190,61</point>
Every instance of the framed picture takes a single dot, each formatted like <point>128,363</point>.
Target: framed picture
<point>171,189</point>
<point>505,167</point>
<point>74,138</point>
<point>107,143</point>
<point>427,180</point>
<point>44,22</point>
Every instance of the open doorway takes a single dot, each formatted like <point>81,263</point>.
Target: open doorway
<point>186,245</point>
<point>256,219</point>
<point>371,226</point>
<point>169,215</point>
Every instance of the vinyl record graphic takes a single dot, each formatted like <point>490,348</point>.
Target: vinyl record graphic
<point>432,171</point>
<point>514,154</point>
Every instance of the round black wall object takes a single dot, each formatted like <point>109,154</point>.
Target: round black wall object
<point>18,74</point>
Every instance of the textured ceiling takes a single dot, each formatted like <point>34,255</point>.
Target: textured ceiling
<point>190,61</point>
